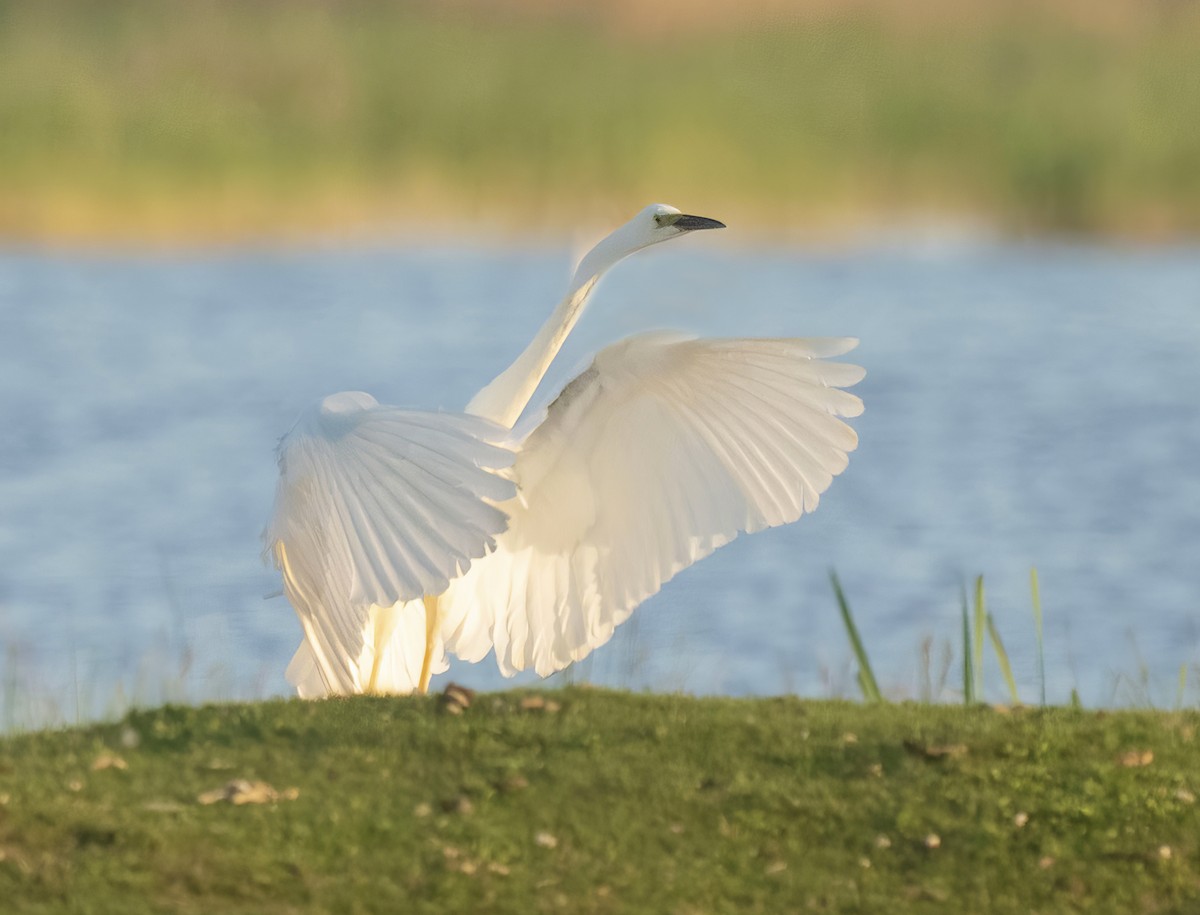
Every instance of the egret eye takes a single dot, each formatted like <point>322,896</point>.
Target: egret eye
<point>666,219</point>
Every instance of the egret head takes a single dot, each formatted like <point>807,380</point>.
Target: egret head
<point>660,221</point>
<point>657,222</point>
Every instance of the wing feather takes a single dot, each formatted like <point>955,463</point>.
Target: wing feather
<point>378,506</point>
<point>663,450</point>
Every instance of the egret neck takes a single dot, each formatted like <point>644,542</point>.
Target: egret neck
<point>505,398</point>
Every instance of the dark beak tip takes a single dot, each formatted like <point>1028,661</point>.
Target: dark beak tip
<point>698,222</point>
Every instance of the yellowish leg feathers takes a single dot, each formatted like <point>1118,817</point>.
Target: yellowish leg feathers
<point>380,642</point>
<point>431,614</point>
<point>384,618</point>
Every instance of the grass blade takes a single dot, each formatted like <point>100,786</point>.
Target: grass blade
<point>1182,686</point>
<point>866,677</point>
<point>1002,657</point>
<point>968,667</point>
<point>1037,622</point>
<point>980,625</point>
<point>924,672</point>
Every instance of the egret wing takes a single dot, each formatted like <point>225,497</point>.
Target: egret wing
<point>377,505</point>
<point>660,452</point>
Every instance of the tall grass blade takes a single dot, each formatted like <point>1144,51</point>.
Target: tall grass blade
<point>924,673</point>
<point>866,677</point>
<point>980,625</point>
<point>968,667</point>
<point>8,693</point>
<point>946,661</point>
<point>1037,622</point>
<point>1182,686</point>
<point>1002,657</point>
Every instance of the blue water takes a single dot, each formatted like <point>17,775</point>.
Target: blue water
<point>1026,404</point>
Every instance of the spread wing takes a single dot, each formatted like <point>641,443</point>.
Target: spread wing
<point>378,505</point>
<point>660,452</point>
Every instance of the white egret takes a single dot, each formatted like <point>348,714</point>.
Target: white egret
<point>403,535</point>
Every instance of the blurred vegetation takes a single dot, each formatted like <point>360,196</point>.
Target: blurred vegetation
<point>227,119</point>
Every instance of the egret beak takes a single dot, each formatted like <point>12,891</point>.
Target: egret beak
<point>690,223</point>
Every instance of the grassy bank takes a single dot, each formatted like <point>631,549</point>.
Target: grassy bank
<point>605,802</point>
<point>223,119</point>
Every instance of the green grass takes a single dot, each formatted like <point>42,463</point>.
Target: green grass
<point>1002,656</point>
<point>970,678</point>
<point>226,118</point>
<point>1036,595</point>
<point>972,653</point>
<point>866,676</point>
<point>615,803</point>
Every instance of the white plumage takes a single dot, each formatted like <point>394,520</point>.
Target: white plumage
<point>403,535</point>
<point>378,505</point>
<point>662,451</point>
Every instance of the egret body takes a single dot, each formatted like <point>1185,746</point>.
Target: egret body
<point>403,535</point>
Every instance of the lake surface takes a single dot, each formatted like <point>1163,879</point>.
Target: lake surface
<point>1026,405</point>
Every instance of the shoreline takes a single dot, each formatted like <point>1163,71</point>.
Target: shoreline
<point>157,225</point>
